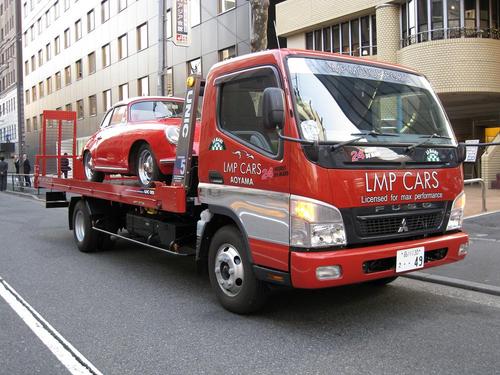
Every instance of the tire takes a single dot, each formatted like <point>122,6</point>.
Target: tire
<point>382,282</point>
<point>146,168</point>
<point>87,240</point>
<point>90,173</point>
<point>231,274</point>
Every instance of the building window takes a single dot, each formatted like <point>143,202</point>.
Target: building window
<point>194,66</point>
<point>39,25</point>
<point>106,55</point>
<point>47,18</point>
<point>67,38</point>
<point>41,92</point>
<point>355,37</point>
<point>327,39</point>
<point>33,63</point>
<point>26,67</point>
<point>225,5</point>
<point>90,21</point>
<point>122,46</point>
<point>58,80</point>
<point>35,123</point>
<point>49,85</point>
<point>122,4</point>
<point>32,32</point>
<point>169,82</point>
<point>57,11</point>
<point>25,37</point>
<point>78,30</point>
<point>143,86</point>
<point>27,96</point>
<point>142,36</point>
<point>57,45</point>
<point>48,52</point>
<point>40,57</point>
<point>67,75</point>
<point>227,53</point>
<point>195,12</point>
<point>80,109</point>
<point>123,92</point>
<point>66,5</point>
<point>104,11</point>
<point>106,100</point>
<point>68,107</point>
<point>168,24</point>
<point>91,62</point>
<point>28,125</point>
<point>92,105</point>
<point>79,69</point>
<point>346,48</point>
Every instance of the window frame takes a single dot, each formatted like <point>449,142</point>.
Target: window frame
<point>233,77</point>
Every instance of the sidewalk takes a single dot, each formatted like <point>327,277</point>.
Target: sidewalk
<point>473,204</point>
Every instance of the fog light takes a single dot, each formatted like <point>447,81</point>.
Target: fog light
<point>328,273</point>
<point>463,249</point>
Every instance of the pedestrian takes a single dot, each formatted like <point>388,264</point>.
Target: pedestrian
<point>26,168</point>
<point>65,168</point>
<point>3,173</point>
<point>16,163</point>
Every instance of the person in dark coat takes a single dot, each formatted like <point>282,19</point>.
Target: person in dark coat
<point>16,163</point>
<point>3,173</point>
<point>65,168</point>
<point>26,170</point>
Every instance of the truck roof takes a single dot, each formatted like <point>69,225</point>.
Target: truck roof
<point>283,52</point>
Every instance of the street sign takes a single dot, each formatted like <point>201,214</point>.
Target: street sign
<point>471,151</point>
<point>181,19</point>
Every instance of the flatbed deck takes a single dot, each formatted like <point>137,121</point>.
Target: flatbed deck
<point>161,197</point>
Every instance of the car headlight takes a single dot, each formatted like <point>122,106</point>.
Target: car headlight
<point>315,224</point>
<point>457,212</point>
<point>172,134</point>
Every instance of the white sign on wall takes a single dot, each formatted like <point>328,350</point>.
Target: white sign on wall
<point>471,151</point>
<point>181,18</point>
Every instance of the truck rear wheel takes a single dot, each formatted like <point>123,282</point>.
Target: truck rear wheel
<point>87,240</point>
<point>231,274</point>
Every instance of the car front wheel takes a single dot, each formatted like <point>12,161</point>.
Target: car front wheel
<point>147,169</point>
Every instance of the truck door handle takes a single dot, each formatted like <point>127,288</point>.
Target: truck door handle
<point>98,138</point>
<point>215,177</point>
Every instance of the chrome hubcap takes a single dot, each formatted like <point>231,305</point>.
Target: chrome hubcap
<point>88,165</point>
<point>79,226</point>
<point>145,170</point>
<point>229,270</point>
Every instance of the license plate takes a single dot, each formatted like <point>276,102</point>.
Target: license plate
<point>410,259</point>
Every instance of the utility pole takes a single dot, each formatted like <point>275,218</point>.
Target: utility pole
<point>259,24</point>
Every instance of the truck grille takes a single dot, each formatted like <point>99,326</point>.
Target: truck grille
<point>369,226</point>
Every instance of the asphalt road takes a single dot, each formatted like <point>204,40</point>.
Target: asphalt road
<point>137,311</point>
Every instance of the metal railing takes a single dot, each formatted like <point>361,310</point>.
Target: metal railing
<point>21,182</point>
<point>479,181</point>
<point>450,33</point>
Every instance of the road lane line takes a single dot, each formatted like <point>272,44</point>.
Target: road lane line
<point>71,358</point>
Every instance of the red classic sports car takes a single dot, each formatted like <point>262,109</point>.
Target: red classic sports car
<point>136,137</point>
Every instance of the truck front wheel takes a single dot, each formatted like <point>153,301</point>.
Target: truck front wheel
<point>87,240</point>
<point>231,274</point>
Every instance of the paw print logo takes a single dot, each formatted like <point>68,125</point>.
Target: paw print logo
<point>217,144</point>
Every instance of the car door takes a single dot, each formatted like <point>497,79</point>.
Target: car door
<point>109,150</point>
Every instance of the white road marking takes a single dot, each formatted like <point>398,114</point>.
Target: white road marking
<point>71,358</point>
<point>483,239</point>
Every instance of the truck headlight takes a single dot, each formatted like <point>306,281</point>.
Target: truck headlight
<point>457,212</point>
<point>172,134</point>
<point>315,224</point>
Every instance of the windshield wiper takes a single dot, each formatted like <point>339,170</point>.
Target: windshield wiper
<point>425,141</point>
<point>375,133</point>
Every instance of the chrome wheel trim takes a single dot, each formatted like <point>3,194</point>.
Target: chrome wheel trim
<point>79,226</point>
<point>229,270</point>
<point>145,167</point>
<point>88,164</point>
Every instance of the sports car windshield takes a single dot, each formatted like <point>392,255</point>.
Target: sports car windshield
<point>338,101</point>
<point>155,109</point>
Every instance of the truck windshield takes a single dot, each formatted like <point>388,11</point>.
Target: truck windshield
<point>337,101</point>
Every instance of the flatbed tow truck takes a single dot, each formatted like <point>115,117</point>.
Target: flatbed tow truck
<point>314,170</point>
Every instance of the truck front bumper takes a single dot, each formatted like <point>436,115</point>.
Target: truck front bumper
<point>369,263</point>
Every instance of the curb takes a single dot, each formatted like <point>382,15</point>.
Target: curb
<point>25,195</point>
<point>457,283</point>
<point>482,214</point>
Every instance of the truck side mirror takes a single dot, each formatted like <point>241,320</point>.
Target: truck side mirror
<point>461,153</point>
<point>273,108</point>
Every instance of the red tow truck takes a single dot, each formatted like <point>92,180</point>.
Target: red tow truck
<point>314,170</point>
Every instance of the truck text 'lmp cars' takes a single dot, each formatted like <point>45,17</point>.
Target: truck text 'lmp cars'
<point>314,170</point>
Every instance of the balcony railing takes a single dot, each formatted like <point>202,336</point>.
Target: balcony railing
<point>450,33</point>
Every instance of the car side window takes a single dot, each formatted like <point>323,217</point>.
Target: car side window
<point>240,111</point>
<point>119,115</point>
<point>105,121</point>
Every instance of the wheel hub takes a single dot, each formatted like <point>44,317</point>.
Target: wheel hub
<point>145,167</point>
<point>229,270</point>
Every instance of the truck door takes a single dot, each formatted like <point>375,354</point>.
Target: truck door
<point>247,165</point>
